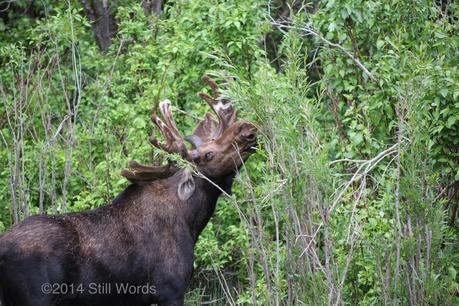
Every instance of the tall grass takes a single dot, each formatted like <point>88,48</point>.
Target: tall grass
<point>325,230</point>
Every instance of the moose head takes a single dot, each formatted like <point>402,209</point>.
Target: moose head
<point>219,146</point>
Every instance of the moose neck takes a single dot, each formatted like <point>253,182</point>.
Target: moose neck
<point>144,204</point>
<point>202,203</point>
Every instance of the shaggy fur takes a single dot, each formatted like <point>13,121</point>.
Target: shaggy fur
<point>145,237</point>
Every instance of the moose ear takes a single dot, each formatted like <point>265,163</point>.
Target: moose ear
<point>186,186</point>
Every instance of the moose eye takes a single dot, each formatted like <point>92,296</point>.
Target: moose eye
<point>208,156</point>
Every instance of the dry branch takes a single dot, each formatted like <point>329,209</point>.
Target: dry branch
<point>308,30</point>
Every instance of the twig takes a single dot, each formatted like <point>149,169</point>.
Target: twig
<point>363,169</point>
<point>397,201</point>
<point>308,30</point>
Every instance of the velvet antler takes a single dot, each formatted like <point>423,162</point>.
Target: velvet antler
<point>209,129</point>
<point>140,173</point>
<point>173,143</point>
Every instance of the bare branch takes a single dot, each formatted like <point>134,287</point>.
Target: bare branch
<point>308,30</point>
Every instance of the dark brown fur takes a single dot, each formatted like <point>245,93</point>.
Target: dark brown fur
<point>140,238</point>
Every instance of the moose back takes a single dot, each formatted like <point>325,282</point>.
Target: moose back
<point>138,250</point>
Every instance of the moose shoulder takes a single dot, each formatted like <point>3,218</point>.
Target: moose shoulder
<point>139,249</point>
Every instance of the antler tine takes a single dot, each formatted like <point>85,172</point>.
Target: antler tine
<point>173,143</point>
<point>222,107</point>
<point>165,107</point>
<point>173,140</point>
<point>142,173</point>
<point>213,85</point>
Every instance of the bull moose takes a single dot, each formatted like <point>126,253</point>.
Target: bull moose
<point>138,250</point>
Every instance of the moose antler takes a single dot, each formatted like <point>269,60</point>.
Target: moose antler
<point>174,143</point>
<point>209,129</point>
<point>141,173</point>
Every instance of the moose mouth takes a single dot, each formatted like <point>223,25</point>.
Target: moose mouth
<point>248,149</point>
<point>249,141</point>
<point>251,149</point>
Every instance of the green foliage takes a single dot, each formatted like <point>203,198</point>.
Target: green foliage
<point>315,217</point>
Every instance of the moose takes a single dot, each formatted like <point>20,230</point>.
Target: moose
<point>138,250</point>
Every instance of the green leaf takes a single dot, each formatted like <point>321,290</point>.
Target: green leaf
<point>237,24</point>
<point>451,121</point>
<point>452,272</point>
<point>356,138</point>
<point>444,92</point>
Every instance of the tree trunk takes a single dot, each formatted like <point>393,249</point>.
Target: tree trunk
<point>102,21</point>
<point>153,6</point>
